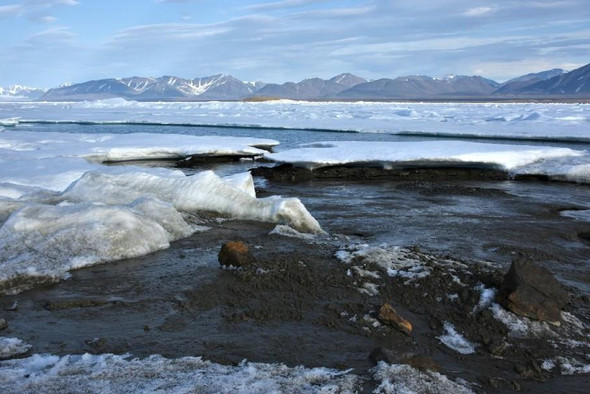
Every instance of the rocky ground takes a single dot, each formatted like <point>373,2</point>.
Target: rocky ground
<point>347,299</point>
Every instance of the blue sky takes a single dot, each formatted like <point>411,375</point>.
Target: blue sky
<point>47,42</point>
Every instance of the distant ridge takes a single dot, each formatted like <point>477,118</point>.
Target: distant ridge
<point>420,86</point>
<point>312,88</point>
<point>18,92</point>
<point>553,84</point>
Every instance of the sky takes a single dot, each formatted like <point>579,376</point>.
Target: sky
<point>44,43</point>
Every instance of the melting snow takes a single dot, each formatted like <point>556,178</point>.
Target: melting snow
<point>454,340</point>
<point>111,373</point>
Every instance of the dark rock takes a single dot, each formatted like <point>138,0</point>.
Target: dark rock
<point>532,291</point>
<point>3,324</point>
<point>235,253</point>
<point>389,316</point>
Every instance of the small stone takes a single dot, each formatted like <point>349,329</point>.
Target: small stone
<point>532,291</point>
<point>389,316</point>
<point>235,253</point>
<point>3,324</point>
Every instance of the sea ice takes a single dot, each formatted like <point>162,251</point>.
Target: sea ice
<point>563,122</point>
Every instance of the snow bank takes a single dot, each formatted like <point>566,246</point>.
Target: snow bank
<point>111,373</point>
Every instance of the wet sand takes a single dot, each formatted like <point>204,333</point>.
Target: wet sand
<point>300,305</point>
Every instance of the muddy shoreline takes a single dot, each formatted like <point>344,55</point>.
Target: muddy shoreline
<point>299,304</point>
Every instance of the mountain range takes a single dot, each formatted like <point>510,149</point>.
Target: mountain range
<point>550,84</point>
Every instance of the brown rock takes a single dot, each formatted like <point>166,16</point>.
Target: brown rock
<point>389,316</point>
<point>3,324</point>
<point>532,291</point>
<point>235,253</point>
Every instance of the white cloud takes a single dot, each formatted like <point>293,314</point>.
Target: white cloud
<point>10,10</point>
<point>478,11</point>
<point>169,31</point>
<point>277,5</point>
<point>36,10</point>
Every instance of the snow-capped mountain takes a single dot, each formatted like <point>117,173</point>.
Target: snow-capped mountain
<point>216,87</point>
<point>550,83</point>
<point>20,93</point>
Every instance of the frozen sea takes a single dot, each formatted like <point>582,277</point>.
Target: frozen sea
<point>64,205</point>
